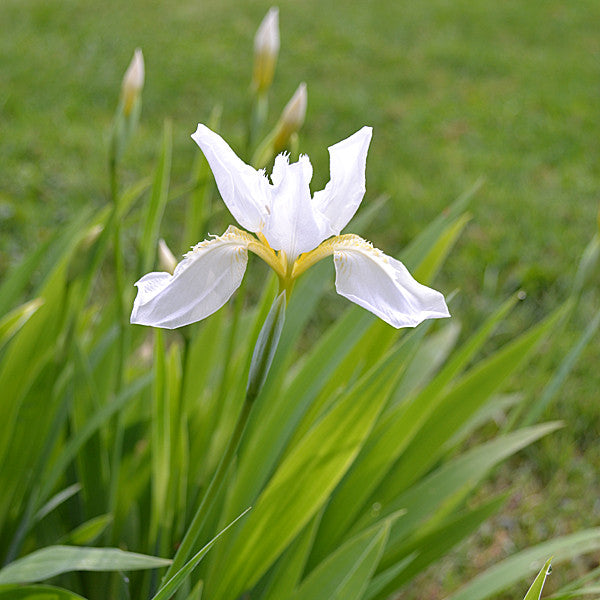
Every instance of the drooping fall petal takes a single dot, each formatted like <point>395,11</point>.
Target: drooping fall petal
<point>343,194</point>
<point>245,191</point>
<point>202,282</point>
<point>383,285</point>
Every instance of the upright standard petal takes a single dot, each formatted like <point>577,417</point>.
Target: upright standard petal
<point>383,285</point>
<point>293,225</point>
<point>245,191</point>
<point>200,285</point>
<point>343,194</point>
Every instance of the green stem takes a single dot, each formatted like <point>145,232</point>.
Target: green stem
<point>121,307</point>
<point>199,520</point>
<point>237,311</point>
<point>123,341</point>
<point>118,263</point>
<point>258,116</point>
<point>122,322</point>
<point>262,358</point>
<point>115,470</point>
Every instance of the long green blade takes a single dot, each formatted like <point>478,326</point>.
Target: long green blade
<point>345,574</point>
<point>522,564</point>
<point>535,591</point>
<point>36,592</point>
<point>54,560</point>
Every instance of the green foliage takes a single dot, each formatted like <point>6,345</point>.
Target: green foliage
<point>353,459</point>
<point>357,454</point>
<point>523,563</point>
<point>174,583</point>
<point>347,572</point>
<point>535,591</point>
<point>53,560</point>
<point>36,592</point>
<point>265,348</point>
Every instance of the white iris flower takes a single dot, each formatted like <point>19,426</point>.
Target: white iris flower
<point>292,231</point>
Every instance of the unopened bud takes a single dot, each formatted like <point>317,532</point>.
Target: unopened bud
<point>166,260</point>
<point>266,49</point>
<point>133,81</point>
<point>292,119</point>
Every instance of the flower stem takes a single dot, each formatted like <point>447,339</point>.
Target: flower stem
<point>199,520</point>
<point>122,322</point>
<point>262,358</point>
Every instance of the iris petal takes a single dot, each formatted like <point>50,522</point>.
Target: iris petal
<point>202,282</point>
<point>343,194</point>
<point>293,225</point>
<point>245,191</point>
<point>383,285</point>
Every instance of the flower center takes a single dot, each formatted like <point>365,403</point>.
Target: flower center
<point>288,272</point>
<point>327,248</point>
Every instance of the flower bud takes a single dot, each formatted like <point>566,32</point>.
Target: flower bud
<point>133,82</point>
<point>166,260</point>
<point>291,120</point>
<point>266,49</point>
<point>266,345</point>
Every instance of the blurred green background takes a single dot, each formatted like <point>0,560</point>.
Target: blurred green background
<point>455,91</point>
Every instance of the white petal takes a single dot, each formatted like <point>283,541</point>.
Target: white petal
<point>245,191</point>
<point>133,80</point>
<point>343,194</point>
<point>202,282</point>
<point>280,167</point>
<point>267,35</point>
<point>293,225</point>
<point>384,286</point>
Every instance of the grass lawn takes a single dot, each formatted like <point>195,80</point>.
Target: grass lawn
<point>455,91</point>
